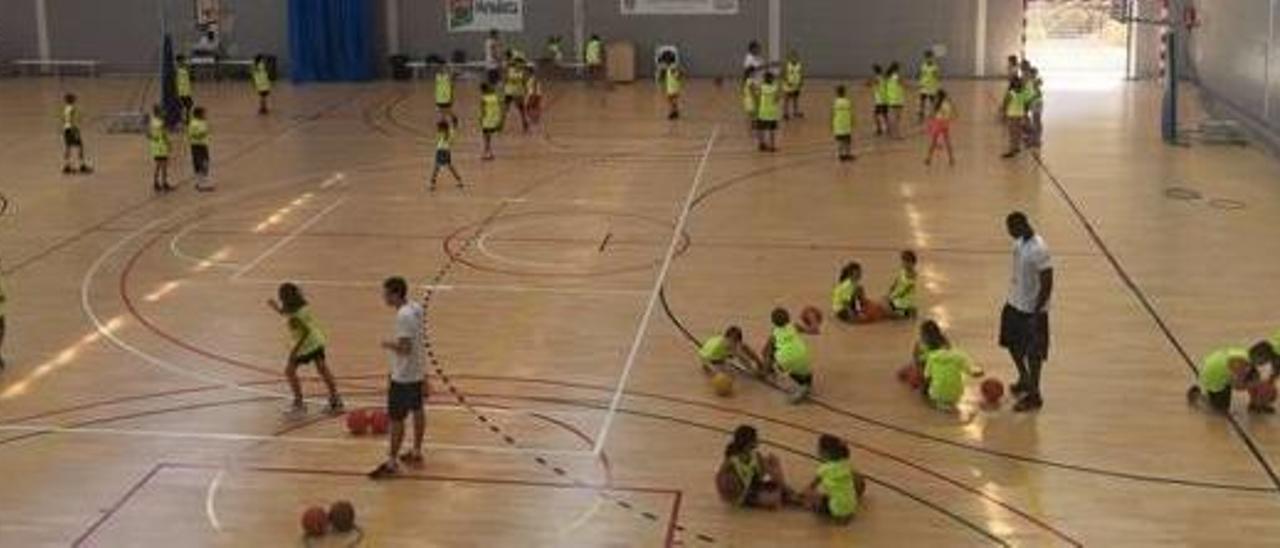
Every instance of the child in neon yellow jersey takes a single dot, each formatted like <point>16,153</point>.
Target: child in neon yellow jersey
<point>727,351</point>
<point>842,124</point>
<point>836,488</point>
<point>901,299</point>
<point>308,346</point>
<point>1232,368</point>
<point>848,294</point>
<point>786,352</point>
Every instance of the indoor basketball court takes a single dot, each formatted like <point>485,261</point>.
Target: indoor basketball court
<point>567,284</point>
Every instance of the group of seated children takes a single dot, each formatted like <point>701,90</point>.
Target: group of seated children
<point>749,478</point>
<point>1235,368</point>
<point>849,302</point>
<point>784,352</point>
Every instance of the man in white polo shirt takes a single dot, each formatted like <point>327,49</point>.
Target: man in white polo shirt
<point>407,388</point>
<point>1024,322</point>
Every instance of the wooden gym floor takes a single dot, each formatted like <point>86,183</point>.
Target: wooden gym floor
<point>142,404</point>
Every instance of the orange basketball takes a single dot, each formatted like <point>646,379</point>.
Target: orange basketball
<point>1263,393</point>
<point>379,421</point>
<point>911,375</point>
<point>727,483</point>
<point>873,311</point>
<point>811,319</point>
<point>315,522</point>
<point>357,422</point>
<point>992,391</point>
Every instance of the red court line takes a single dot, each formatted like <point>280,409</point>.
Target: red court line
<point>139,485</point>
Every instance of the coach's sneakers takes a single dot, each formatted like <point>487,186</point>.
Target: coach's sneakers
<point>335,406</point>
<point>385,470</point>
<point>412,458</point>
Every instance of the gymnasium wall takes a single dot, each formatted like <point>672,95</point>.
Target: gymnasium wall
<point>124,35</point>
<point>17,30</point>
<point>836,37</point>
<point>1236,59</point>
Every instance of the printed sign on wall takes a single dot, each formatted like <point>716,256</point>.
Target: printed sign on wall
<point>483,15</point>
<point>679,7</point>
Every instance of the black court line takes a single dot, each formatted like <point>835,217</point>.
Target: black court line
<point>1161,324</point>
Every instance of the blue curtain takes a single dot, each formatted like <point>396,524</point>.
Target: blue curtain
<point>331,40</point>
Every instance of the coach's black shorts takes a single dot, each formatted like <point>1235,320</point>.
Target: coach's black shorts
<point>766,125</point>
<point>402,398</point>
<point>310,357</point>
<point>1025,334</point>
<point>71,137</point>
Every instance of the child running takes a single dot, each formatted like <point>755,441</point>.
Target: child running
<point>490,118</point>
<point>727,351</point>
<point>749,103</point>
<point>787,352</point>
<point>792,85</point>
<point>532,96</point>
<point>895,95</point>
<point>444,154</point>
<point>594,59</point>
<point>672,83</point>
<point>1014,107</point>
<point>748,478</point>
<point>767,113</point>
<point>881,110</point>
<point>261,82</point>
<point>513,89</point>
<point>940,127</point>
<point>944,367</point>
<point>308,347</point>
<point>444,93</point>
<point>182,83</point>
<point>930,84</point>
<point>835,489</point>
<point>158,141</point>
<point>1232,368</point>
<point>198,138</point>
<point>842,124</point>
<point>71,140</point>
<point>901,300</point>
<point>847,296</point>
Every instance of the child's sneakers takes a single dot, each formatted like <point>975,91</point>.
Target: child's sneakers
<point>297,410</point>
<point>335,406</point>
<point>798,395</point>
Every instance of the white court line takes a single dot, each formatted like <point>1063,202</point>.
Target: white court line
<point>210,495</point>
<point>336,178</point>
<point>298,440</point>
<point>643,328</point>
<point>455,287</point>
<point>286,239</point>
<point>179,253</point>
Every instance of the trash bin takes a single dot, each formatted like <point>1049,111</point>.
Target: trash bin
<point>400,68</point>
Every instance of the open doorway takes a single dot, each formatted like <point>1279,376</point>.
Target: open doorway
<point>1085,41</point>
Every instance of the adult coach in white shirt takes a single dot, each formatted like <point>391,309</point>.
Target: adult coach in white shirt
<point>753,64</point>
<point>1024,322</point>
<point>407,388</point>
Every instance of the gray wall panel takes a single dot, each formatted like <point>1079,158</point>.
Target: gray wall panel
<point>845,38</point>
<point>1229,51</point>
<point>712,45</point>
<point>422,28</point>
<point>17,29</point>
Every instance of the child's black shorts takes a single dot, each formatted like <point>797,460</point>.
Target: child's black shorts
<point>882,109</point>
<point>310,357</point>
<point>444,157</point>
<point>766,125</point>
<point>846,139</point>
<point>71,137</point>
